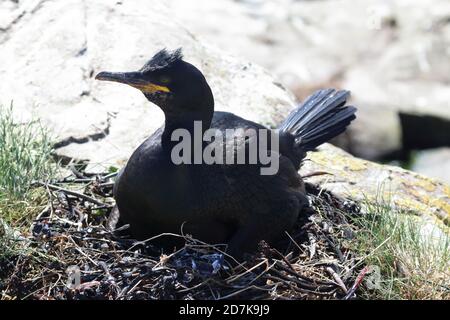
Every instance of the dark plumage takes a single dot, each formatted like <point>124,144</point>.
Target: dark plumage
<point>218,203</point>
<point>162,60</point>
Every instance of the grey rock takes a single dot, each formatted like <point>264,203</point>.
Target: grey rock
<point>434,163</point>
<point>51,54</point>
<point>368,182</point>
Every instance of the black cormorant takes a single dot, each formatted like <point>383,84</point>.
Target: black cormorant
<point>217,203</point>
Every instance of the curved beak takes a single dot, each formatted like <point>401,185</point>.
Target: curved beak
<point>134,79</point>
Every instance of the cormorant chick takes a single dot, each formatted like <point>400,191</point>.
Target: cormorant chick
<point>219,202</point>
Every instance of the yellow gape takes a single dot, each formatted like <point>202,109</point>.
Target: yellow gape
<point>150,88</point>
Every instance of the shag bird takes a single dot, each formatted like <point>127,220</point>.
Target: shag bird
<point>225,202</point>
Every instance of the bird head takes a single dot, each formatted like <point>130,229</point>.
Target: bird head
<point>168,81</point>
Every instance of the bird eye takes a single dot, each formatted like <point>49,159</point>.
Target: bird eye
<point>164,79</point>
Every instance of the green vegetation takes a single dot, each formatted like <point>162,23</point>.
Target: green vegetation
<point>25,157</point>
<point>413,258</point>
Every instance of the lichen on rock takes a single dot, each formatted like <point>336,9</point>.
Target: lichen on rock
<point>362,180</point>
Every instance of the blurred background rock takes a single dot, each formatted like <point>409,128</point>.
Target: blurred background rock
<point>393,55</point>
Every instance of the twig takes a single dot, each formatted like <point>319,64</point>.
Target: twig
<point>337,278</point>
<point>357,283</point>
<point>74,193</point>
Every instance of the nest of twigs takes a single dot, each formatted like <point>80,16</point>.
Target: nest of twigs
<point>72,255</point>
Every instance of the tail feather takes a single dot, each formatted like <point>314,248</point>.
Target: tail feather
<point>338,119</point>
<point>320,104</point>
<point>320,118</point>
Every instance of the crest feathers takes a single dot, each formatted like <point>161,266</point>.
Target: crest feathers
<point>162,59</point>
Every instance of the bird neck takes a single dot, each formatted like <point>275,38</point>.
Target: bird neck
<point>195,122</point>
<point>187,115</point>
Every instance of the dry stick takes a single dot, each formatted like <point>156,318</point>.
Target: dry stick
<point>166,258</point>
<point>34,292</point>
<point>135,286</point>
<point>52,209</point>
<point>128,288</point>
<point>105,269</point>
<point>75,224</point>
<point>212,292</point>
<point>66,180</point>
<point>81,216</point>
<point>233,278</point>
<point>16,267</point>
<point>194,287</point>
<point>358,281</point>
<point>283,258</point>
<point>54,285</point>
<point>303,284</point>
<point>335,248</point>
<point>240,291</point>
<point>282,282</point>
<point>323,187</point>
<point>296,274</point>
<point>106,184</point>
<point>293,241</point>
<point>74,193</point>
<point>77,247</point>
<point>39,217</point>
<point>76,173</point>
<point>299,289</point>
<point>138,243</point>
<point>337,278</point>
<point>263,273</point>
<point>317,173</point>
<point>184,237</point>
<point>110,175</point>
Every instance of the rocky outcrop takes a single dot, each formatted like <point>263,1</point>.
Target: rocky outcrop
<point>364,180</point>
<point>433,163</point>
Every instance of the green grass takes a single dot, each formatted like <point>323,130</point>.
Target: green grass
<point>25,157</point>
<point>414,261</point>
